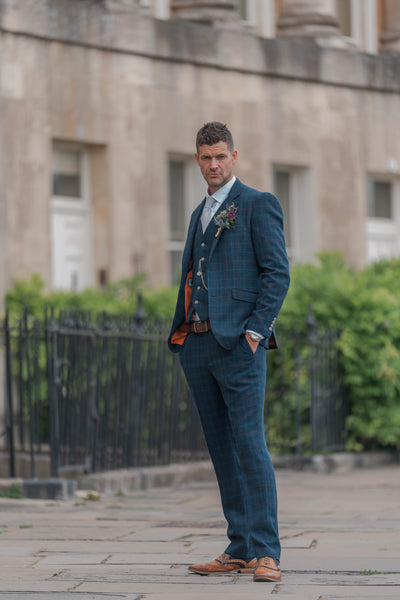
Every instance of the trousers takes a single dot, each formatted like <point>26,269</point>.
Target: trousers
<point>228,388</point>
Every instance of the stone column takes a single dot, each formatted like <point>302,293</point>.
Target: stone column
<point>390,37</point>
<point>216,12</point>
<point>126,6</point>
<point>314,19</point>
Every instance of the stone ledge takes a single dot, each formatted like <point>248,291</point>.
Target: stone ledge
<point>49,489</point>
<point>53,488</point>
<point>144,478</point>
<point>127,480</point>
<point>91,25</point>
<point>336,461</point>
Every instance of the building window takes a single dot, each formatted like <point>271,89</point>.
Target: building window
<point>293,188</point>
<point>383,218</point>
<point>282,192</point>
<point>177,215</point>
<point>67,172</point>
<point>186,190</point>
<point>379,198</point>
<point>177,200</point>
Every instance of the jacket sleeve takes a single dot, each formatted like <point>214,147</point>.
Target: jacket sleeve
<point>270,250</point>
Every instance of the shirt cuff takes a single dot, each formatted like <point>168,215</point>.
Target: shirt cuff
<point>260,337</point>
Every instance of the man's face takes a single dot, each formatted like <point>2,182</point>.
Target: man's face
<point>216,163</point>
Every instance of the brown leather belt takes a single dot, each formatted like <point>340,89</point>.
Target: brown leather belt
<point>196,327</point>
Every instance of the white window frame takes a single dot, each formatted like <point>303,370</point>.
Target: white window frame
<point>81,202</point>
<point>379,231</point>
<point>194,192</point>
<point>302,212</point>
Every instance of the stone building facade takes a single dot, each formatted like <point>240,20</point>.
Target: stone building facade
<point>100,101</point>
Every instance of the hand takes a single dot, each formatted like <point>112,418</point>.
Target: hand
<point>253,345</point>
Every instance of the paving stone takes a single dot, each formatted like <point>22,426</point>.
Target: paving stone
<point>169,533</point>
<point>20,573</point>
<point>258,592</point>
<point>66,596</point>
<point>337,531</point>
<point>335,562</point>
<point>302,541</point>
<point>149,579</point>
<point>24,585</point>
<point>40,532</point>
<point>336,592</point>
<point>341,578</point>
<point>65,559</point>
<point>168,558</point>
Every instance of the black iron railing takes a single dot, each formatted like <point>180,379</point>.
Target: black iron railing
<point>105,393</point>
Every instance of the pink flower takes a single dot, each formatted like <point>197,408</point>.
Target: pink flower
<point>226,218</point>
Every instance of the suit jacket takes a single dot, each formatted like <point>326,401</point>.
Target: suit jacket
<point>247,273</point>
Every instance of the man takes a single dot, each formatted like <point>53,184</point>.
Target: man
<point>234,279</point>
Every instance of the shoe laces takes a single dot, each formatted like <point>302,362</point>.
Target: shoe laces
<point>224,558</point>
<point>266,561</point>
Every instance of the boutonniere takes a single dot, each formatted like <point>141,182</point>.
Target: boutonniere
<point>226,219</point>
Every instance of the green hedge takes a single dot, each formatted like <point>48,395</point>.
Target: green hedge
<point>116,298</point>
<point>363,306</point>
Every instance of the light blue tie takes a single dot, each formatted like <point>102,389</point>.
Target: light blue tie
<point>207,212</point>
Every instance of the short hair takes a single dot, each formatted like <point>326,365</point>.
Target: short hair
<point>212,133</point>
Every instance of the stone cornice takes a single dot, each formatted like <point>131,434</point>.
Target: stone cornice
<point>200,45</point>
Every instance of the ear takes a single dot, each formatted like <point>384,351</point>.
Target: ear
<point>197,158</point>
<point>234,156</point>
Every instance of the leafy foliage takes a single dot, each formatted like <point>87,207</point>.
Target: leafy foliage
<point>119,298</point>
<point>13,491</point>
<point>365,308</point>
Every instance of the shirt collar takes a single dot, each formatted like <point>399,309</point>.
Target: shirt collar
<point>221,194</point>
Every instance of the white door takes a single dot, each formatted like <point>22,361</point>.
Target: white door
<point>71,220</point>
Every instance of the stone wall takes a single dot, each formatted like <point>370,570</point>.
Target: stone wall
<point>134,90</point>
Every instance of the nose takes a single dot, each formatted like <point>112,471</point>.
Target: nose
<point>214,163</point>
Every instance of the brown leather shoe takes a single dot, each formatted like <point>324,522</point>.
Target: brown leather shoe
<point>224,564</point>
<point>267,570</point>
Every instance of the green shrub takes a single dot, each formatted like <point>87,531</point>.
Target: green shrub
<point>364,307</point>
<point>119,298</point>
<point>14,491</point>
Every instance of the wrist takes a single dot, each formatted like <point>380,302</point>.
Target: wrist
<point>254,336</point>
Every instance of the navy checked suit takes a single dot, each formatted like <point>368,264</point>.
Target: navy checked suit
<point>247,279</point>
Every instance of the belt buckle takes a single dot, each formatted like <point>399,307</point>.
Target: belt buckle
<point>195,323</point>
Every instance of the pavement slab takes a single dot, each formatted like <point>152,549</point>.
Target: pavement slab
<point>67,596</point>
<point>340,538</point>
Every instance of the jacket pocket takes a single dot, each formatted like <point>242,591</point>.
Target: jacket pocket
<point>246,295</point>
